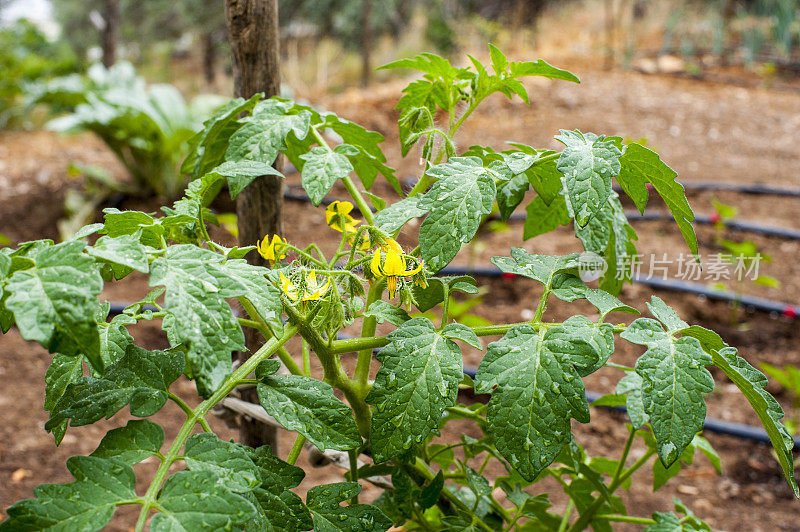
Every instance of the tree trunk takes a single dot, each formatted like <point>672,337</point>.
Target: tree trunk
<point>110,32</point>
<point>366,42</point>
<point>209,57</point>
<point>253,36</point>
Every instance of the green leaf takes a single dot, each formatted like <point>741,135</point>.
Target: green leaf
<point>229,461</point>
<point>535,392</point>
<point>309,407</point>
<point>119,223</point>
<point>464,192</point>
<point>368,161</point>
<point>195,500</point>
<point>418,378</point>
<point>674,380</point>
<point>321,170</point>
<point>329,516</point>
<point>54,303</point>
<point>136,441</point>
<point>429,495</point>
<point>706,448</point>
<point>264,295</point>
<point>542,218</point>
<point>426,62</point>
<point>639,166</point>
<point>278,512</point>
<point>278,508</point>
<point>210,145</point>
<point>662,474</point>
<point>588,163</point>
<point>385,311</point>
<point>457,331</point>
<point>262,135</point>
<point>586,344</point>
<point>395,216</point>
<point>477,483</point>
<point>664,522</point>
<point>540,68</point>
<point>753,384</point>
<point>88,503</point>
<point>631,384</point>
<point>197,282</point>
<point>510,194</point>
<point>542,268</point>
<point>241,173</point>
<point>141,378</point>
<point>125,250</point>
<point>115,338</point>
<point>63,371</point>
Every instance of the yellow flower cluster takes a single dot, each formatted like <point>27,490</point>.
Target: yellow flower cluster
<point>272,250</point>
<point>337,216</point>
<point>311,292</point>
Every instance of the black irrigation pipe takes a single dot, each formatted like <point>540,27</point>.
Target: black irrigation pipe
<point>634,216</point>
<point>744,188</point>
<point>737,430</point>
<point>718,426</point>
<point>757,303</point>
<point>750,227</point>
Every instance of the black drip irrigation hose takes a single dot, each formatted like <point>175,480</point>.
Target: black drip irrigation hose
<point>750,227</point>
<point>743,188</point>
<point>718,426</point>
<point>737,430</point>
<point>634,216</point>
<point>751,302</point>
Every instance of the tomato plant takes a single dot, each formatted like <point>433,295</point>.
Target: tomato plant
<point>383,428</point>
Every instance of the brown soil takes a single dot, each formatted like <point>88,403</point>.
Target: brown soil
<point>705,131</point>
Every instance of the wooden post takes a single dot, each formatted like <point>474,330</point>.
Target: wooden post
<point>110,32</point>
<point>253,36</point>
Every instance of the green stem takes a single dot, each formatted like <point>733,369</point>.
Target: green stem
<point>625,451</point>
<point>149,499</point>
<point>446,305</point>
<point>368,328</point>
<point>363,206</point>
<point>294,453</point>
<point>513,522</point>
<point>353,345</point>
<point>306,359</point>
<point>353,456</point>
<point>567,512</point>
<point>469,414</point>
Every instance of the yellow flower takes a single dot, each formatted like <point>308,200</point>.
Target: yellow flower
<point>339,211</point>
<point>312,291</point>
<point>271,250</point>
<point>392,245</point>
<point>393,266</point>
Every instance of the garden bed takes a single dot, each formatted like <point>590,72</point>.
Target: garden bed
<point>730,140</point>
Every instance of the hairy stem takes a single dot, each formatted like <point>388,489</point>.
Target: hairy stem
<point>294,453</point>
<point>149,499</point>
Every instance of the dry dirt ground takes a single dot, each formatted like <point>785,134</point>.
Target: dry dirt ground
<point>705,131</point>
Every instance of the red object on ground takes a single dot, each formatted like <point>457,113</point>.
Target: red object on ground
<point>507,275</point>
<point>715,217</point>
<point>790,311</point>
